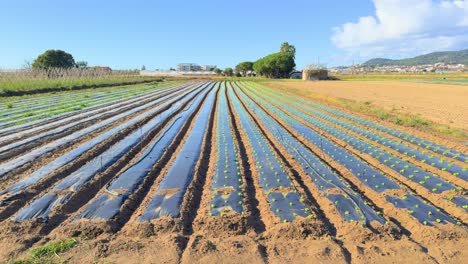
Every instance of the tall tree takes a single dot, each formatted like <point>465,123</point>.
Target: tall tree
<point>228,72</point>
<point>244,67</point>
<point>54,59</point>
<point>288,48</point>
<point>276,65</point>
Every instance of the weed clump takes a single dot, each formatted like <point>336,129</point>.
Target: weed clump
<point>44,253</point>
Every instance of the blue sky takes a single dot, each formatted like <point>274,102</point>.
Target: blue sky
<point>160,34</point>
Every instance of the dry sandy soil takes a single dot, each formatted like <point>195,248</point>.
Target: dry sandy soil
<point>441,103</point>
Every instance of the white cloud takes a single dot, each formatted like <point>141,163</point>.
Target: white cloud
<point>406,27</point>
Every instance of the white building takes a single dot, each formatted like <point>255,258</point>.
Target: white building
<point>187,67</point>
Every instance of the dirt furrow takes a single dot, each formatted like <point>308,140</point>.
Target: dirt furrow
<point>204,222</point>
<point>192,198</point>
<point>252,204</point>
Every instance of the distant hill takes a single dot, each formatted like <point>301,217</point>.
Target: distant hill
<point>449,57</point>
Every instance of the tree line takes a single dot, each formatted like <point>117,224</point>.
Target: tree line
<point>275,65</point>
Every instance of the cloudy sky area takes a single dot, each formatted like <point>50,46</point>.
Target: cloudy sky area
<point>160,34</point>
<point>404,28</point>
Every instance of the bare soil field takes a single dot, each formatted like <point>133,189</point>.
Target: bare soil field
<point>228,172</point>
<point>441,103</point>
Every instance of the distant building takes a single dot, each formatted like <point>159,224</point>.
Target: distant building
<point>250,74</point>
<point>187,67</point>
<point>314,74</point>
<point>176,73</point>
<point>423,68</point>
<point>207,67</point>
<point>295,75</point>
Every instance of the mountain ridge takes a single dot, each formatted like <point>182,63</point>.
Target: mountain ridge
<point>448,57</point>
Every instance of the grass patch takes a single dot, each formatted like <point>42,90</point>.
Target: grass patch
<point>12,87</point>
<point>53,248</point>
<point>46,253</point>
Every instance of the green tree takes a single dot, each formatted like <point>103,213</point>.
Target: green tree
<point>228,72</point>
<point>244,67</point>
<point>81,64</point>
<point>54,59</point>
<point>217,70</point>
<point>288,48</point>
<point>276,65</point>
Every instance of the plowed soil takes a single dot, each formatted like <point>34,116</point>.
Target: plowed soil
<point>441,103</point>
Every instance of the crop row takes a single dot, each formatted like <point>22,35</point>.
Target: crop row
<point>37,152</point>
<point>226,184</point>
<point>284,200</point>
<point>126,183</point>
<point>404,149</point>
<point>427,180</point>
<point>38,107</point>
<point>168,197</point>
<point>64,118</point>
<point>73,102</point>
<point>348,203</point>
<point>24,137</point>
<point>61,192</point>
<point>364,172</point>
<point>98,164</point>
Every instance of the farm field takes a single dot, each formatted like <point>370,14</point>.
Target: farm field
<point>230,172</point>
<point>17,110</point>
<point>443,104</point>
